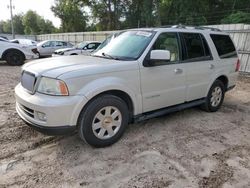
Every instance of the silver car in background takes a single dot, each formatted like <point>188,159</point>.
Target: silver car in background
<point>83,48</point>
<point>47,48</point>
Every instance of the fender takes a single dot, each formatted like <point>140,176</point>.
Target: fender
<point>98,86</point>
<point>216,75</point>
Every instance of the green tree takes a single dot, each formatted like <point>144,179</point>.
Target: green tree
<point>35,24</point>
<point>18,24</point>
<point>238,17</point>
<point>30,22</point>
<point>72,15</point>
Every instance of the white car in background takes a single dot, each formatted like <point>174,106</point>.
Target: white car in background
<point>46,48</point>
<point>84,48</point>
<point>16,54</point>
<point>26,42</point>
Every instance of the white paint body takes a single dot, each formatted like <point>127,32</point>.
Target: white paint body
<point>149,88</point>
<point>26,50</point>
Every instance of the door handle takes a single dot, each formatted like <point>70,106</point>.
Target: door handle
<point>211,66</point>
<point>178,71</point>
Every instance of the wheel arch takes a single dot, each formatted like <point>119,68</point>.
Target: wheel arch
<point>223,78</point>
<point>10,50</point>
<point>118,93</point>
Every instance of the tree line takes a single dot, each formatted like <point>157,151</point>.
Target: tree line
<point>100,15</point>
<point>29,23</point>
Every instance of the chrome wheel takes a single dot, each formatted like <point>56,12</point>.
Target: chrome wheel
<point>216,96</point>
<point>107,122</point>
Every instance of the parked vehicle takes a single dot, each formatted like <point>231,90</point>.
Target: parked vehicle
<point>16,54</point>
<point>141,74</point>
<point>47,48</point>
<point>84,48</point>
<point>3,37</point>
<point>26,42</point>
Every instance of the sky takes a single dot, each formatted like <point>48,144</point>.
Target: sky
<point>42,7</point>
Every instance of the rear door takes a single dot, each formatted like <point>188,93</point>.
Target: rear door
<point>200,65</point>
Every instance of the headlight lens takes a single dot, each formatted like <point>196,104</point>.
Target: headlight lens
<point>52,86</point>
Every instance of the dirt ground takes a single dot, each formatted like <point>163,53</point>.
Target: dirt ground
<point>190,148</point>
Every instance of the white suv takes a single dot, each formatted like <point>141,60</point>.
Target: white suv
<point>16,54</point>
<point>141,74</point>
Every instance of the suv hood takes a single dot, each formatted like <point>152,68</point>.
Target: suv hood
<point>83,65</point>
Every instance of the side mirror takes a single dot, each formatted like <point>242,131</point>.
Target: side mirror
<point>157,56</point>
<point>160,55</point>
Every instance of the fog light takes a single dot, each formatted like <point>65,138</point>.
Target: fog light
<point>41,116</point>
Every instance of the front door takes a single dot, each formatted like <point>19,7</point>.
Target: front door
<point>164,84</point>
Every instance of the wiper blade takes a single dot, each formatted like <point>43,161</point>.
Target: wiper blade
<point>110,56</point>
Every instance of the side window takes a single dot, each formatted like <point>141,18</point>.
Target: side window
<point>47,44</point>
<point>224,46</point>
<point>194,45</point>
<point>65,44</point>
<point>168,41</point>
<point>58,43</point>
<point>91,46</point>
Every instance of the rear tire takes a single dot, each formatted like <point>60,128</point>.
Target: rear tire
<point>215,97</point>
<point>15,58</point>
<point>103,121</point>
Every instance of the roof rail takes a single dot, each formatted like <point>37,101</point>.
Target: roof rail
<point>180,26</point>
<point>209,28</point>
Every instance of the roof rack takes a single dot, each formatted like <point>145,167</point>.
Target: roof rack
<point>209,28</point>
<point>180,26</point>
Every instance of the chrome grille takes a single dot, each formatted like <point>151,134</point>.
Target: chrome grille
<point>28,81</point>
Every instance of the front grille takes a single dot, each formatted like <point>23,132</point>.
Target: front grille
<point>28,81</point>
<point>26,110</point>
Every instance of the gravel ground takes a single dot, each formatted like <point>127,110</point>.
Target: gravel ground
<point>190,148</point>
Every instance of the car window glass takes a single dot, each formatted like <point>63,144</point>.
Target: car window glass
<point>58,43</point>
<point>168,41</point>
<point>194,47</point>
<point>91,46</point>
<point>47,44</point>
<point>224,46</point>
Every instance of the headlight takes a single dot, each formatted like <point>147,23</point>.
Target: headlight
<point>52,86</point>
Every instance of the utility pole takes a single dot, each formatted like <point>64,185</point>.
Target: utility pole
<point>11,15</point>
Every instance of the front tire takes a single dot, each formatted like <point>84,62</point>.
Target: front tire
<point>215,97</point>
<point>15,58</point>
<point>103,121</point>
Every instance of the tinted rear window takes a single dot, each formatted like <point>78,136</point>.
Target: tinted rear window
<point>224,46</point>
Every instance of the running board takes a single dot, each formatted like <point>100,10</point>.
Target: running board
<point>164,111</point>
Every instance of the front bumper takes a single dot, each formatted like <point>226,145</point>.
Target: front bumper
<point>60,130</point>
<point>61,112</point>
<point>31,56</point>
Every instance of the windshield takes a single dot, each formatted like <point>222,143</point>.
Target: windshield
<point>81,45</point>
<point>128,45</point>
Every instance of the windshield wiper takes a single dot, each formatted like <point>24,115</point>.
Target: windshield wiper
<point>109,56</point>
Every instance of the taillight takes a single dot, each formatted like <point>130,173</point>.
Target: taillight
<point>237,68</point>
